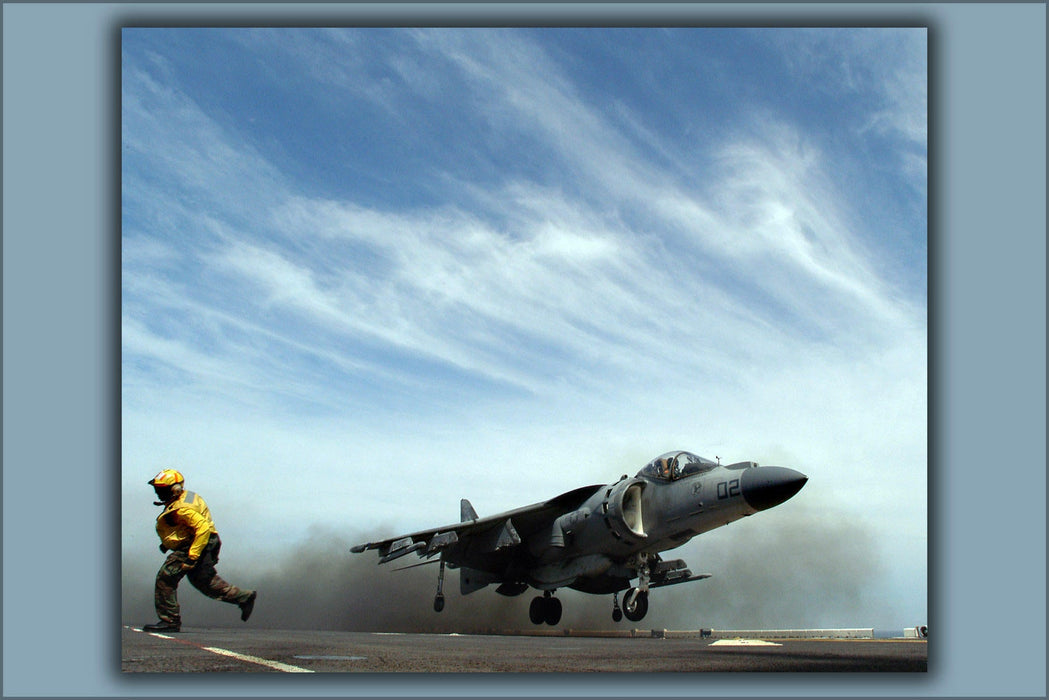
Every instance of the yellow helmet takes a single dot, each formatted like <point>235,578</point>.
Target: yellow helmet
<point>168,485</point>
<point>167,477</point>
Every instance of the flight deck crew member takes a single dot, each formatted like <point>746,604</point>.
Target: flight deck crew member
<point>186,530</point>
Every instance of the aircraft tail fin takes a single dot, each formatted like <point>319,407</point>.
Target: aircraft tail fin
<point>466,511</point>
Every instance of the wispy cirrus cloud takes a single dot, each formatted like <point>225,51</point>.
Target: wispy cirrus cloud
<point>532,269</point>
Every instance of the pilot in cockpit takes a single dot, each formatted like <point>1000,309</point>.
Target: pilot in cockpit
<point>667,465</point>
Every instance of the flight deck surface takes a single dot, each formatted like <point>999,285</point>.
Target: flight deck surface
<point>251,650</point>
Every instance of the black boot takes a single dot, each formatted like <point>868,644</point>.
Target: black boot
<point>247,606</point>
<point>163,626</point>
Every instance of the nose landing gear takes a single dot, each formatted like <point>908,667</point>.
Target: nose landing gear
<point>635,600</point>
<point>635,604</point>
<point>545,608</point>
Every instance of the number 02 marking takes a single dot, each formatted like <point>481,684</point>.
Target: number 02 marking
<point>727,489</point>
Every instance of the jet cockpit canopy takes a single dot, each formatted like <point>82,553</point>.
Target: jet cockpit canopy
<point>675,465</point>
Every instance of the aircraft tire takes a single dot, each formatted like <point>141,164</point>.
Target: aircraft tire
<point>617,615</point>
<point>537,610</point>
<point>639,609</point>
<point>552,611</point>
<point>438,603</point>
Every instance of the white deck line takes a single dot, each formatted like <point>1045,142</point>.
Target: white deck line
<point>276,665</point>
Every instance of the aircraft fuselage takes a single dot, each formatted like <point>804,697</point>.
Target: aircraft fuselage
<point>640,516</point>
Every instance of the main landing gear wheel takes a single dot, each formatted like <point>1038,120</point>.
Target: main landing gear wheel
<point>635,606</point>
<point>553,611</point>
<point>535,610</point>
<point>545,609</point>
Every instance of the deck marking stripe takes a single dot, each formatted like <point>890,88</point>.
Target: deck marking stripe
<point>276,665</point>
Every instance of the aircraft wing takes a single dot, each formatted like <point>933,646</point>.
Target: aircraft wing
<point>481,535</point>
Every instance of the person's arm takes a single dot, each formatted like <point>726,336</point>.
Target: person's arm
<point>201,532</point>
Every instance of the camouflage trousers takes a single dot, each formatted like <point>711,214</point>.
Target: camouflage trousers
<point>203,577</point>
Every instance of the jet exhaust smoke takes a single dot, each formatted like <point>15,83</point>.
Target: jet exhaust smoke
<point>320,585</point>
<point>804,572</point>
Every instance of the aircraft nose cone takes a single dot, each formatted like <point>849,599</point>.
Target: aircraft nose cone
<point>764,487</point>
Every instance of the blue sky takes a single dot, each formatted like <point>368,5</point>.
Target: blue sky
<point>368,272</point>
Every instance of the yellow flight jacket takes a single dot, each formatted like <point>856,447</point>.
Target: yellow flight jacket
<point>186,524</point>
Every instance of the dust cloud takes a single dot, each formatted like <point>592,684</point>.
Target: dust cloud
<point>802,571</point>
<point>806,571</point>
<point>320,585</point>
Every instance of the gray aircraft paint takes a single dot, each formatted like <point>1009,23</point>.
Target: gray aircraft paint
<point>598,539</point>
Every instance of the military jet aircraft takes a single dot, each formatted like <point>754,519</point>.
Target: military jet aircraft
<point>598,539</point>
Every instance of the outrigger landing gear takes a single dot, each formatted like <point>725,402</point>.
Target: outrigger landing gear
<point>438,600</point>
<point>545,608</point>
<point>617,612</point>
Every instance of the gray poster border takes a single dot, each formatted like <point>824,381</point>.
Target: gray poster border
<point>987,345</point>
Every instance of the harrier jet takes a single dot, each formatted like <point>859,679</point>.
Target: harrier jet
<point>598,539</point>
